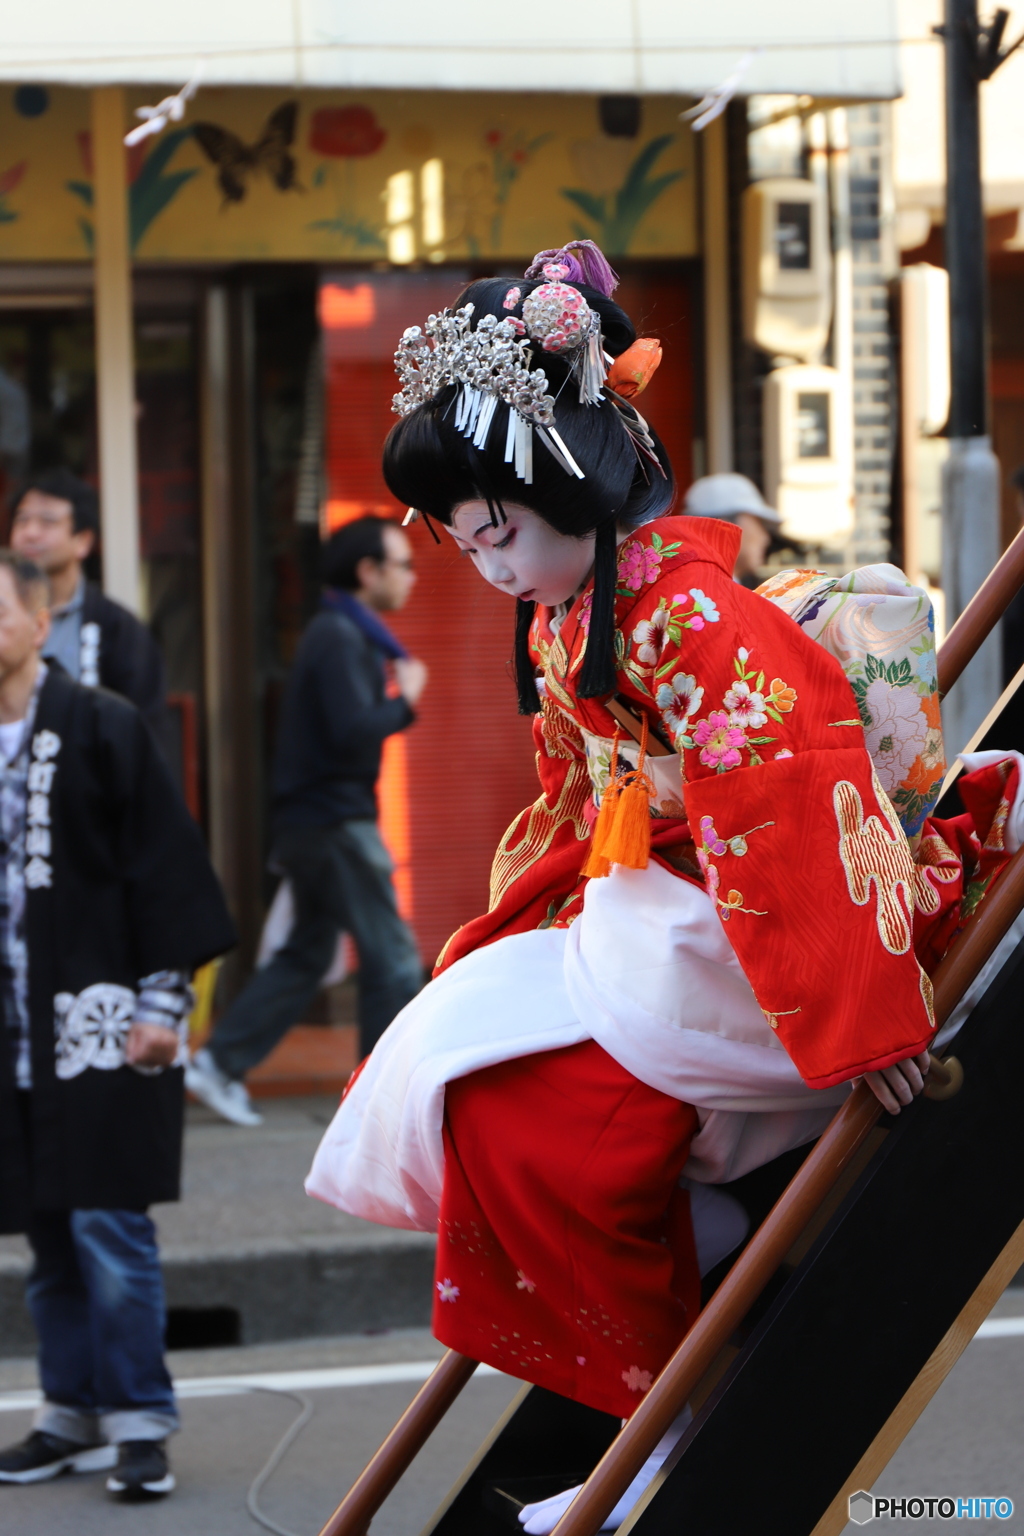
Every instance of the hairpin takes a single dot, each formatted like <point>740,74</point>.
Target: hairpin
<point>638,430</point>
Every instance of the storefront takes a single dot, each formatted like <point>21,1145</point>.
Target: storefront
<point>270,243</point>
<point>267,304</point>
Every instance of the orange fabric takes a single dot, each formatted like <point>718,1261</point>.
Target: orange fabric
<point>634,369</point>
<point>565,1250</point>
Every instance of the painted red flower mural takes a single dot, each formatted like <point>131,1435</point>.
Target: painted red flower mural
<point>13,174</point>
<point>345,133</point>
<point>9,179</point>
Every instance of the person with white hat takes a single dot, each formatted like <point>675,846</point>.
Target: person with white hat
<point>737,500</point>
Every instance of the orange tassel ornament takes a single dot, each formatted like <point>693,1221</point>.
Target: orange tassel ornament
<point>597,864</point>
<point>622,834</point>
<point>629,842</point>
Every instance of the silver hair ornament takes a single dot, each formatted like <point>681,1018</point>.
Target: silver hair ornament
<point>494,359</point>
<point>491,364</point>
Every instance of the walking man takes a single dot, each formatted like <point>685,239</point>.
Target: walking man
<point>336,716</point>
<point>55,524</point>
<point>108,904</point>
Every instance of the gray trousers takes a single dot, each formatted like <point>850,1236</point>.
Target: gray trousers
<point>341,881</point>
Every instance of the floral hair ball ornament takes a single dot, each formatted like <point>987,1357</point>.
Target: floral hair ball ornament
<point>559,317</point>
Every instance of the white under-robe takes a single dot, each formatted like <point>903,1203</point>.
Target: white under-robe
<point>648,972</point>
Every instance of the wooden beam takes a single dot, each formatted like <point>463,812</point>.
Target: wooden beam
<point>233,738</point>
<point>913,1403</point>
<point>115,352</point>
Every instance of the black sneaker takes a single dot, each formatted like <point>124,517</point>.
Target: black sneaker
<point>142,1471</point>
<point>40,1456</point>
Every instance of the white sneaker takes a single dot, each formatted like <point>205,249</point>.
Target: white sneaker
<point>541,1518</point>
<point>224,1095</point>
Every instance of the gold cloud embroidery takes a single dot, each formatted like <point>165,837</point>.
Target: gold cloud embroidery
<point>872,852</point>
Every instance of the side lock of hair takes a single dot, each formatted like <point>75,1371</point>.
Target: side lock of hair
<point>597,676</point>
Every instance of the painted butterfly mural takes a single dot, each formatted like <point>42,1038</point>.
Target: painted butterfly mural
<point>237,162</point>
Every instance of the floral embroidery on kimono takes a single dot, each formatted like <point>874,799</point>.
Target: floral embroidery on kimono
<point>769,721</point>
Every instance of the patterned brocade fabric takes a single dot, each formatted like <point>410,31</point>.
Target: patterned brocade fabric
<point>881,630</point>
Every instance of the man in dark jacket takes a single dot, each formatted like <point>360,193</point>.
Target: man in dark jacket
<point>55,524</point>
<point>108,904</point>
<point>336,715</point>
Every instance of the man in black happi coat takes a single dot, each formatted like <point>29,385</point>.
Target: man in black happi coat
<point>108,904</point>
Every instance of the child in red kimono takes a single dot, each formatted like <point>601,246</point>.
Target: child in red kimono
<point>669,990</point>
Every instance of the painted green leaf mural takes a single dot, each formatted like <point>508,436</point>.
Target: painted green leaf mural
<point>149,191</point>
<point>617,215</point>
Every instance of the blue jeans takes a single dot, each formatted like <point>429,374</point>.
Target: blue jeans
<point>96,1295</point>
<point>341,881</point>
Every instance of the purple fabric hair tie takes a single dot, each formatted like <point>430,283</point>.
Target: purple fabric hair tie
<point>583,261</point>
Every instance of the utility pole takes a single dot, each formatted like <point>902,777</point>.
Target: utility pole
<point>970,483</point>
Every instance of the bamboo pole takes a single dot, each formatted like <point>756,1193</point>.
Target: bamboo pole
<point>982,614</point>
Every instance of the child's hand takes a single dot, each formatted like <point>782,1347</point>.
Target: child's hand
<point>900,1083</point>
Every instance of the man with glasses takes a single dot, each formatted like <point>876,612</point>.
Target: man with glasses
<point>55,523</point>
<point>336,715</point>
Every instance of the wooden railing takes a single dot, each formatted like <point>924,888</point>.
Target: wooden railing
<point>785,1222</point>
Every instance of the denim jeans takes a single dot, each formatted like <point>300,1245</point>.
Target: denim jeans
<point>341,881</point>
<point>96,1296</point>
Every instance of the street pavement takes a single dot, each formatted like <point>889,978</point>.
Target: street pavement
<point>969,1441</point>
<point>225,1441</point>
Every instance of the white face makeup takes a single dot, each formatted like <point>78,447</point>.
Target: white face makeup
<point>524,556</point>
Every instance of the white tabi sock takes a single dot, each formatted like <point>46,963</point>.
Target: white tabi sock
<point>541,1518</point>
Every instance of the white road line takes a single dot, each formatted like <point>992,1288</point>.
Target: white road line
<point>280,1381</point>
<point>1001,1328</point>
<point>371,1375</point>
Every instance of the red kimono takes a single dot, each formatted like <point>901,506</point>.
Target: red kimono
<point>566,1255</point>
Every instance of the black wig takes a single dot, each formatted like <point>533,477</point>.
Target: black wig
<point>430,465</point>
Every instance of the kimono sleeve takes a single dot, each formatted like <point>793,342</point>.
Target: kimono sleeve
<point>802,853</point>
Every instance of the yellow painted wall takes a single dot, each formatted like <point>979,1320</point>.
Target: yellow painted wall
<point>379,174</point>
